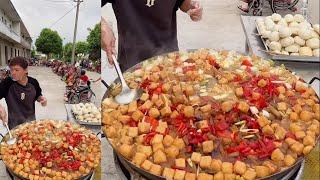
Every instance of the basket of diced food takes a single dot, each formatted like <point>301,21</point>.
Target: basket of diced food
<point>290,37</point>
<point>87,114</point>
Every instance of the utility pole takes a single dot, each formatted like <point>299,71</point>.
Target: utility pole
<point>75,30</point>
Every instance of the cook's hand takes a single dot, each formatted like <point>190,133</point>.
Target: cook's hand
<point>42,100</point>
<point>108,41</point>
<point>195,12</point>
<point>3,115</point>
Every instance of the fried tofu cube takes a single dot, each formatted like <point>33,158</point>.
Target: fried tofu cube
<point>154,98</point>
<point>139,158</point>
<point>307,149</point>
<point>280,133</point>
<point>240,167</point>
<point>181,162</point>
<point>189,90</point>
<point>216,165</point>
<point>147,150</point>
<point>124,119</point>
<point>168,140</point>
<point>227,167</point>
<point>158,138</point>
<point>294,127</point>
<point>202,124</point>
<point>159,103</point>
<point>243,106</point>
<point>306,115</point>
<point>267,130</point>
<point>159,157</point>
<point>162,127</point>
<point>157,146</point>
<point>123,109</point>
<point>188,111</point>
<point>179,143</point>
<point>137,115</point>
<point>133,131</point>
<point>207,146</point>
<point>126,150</point>
<point>155,169</point>
<point>143,127</point>
<point>146,105</point>
<point>190,176</point>
<point>165,111</point>
<point>308,140</point>
<point>168,173</point>
<point>227,106</point>
<point>179,174</point>
<point>282,106</point>
<point>132,107</point>
<point>177,89</point>
<point>196,157</point>
<point>250,174</point>
<point>262,171</point>
<point>146,165</point>
<point>239,91</point>
<point>205,162</point>
<point>228,176</point>
<point>263,121</point>
<point>172,151</point>
<point>144,97</point>
<point>277,155</point>
<point>297,147</point>
<point>294,116</point>
<point>154,112</point>
<point>205,176</point>
<point>289,160</point>
<point>111,132</point>
<point>300,134</point>
<point>218,176</point>
<point>290,141</point>
<point>206,108</point>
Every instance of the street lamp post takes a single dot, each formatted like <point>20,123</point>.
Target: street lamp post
<point>75,31</point>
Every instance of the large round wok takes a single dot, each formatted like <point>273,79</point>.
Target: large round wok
<point>15,175</point>
<point>285,174</point>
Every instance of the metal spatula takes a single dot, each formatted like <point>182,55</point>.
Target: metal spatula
<point>12,140</point>
<point>127,95</point>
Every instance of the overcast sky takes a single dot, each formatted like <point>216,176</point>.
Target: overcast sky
<point>39,14</point>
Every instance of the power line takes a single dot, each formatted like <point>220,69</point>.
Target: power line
<point>62,16</point>
<point>57,1</point>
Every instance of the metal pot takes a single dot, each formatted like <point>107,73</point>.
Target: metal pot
<point>17,176</point>
<point>279,175</point>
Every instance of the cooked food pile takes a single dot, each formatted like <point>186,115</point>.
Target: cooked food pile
<point>51,149</point>
<point>213,114</point>
<point>87,112</point>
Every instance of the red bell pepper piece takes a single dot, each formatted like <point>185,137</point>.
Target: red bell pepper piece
<point>220,126</point>
<point>246,62</point>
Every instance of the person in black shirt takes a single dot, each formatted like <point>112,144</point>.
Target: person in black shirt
<point>20,92</point>
<point>146,28</point>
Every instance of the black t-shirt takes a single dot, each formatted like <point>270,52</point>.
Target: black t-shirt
<point>20,100</point>
<point>146,28</point>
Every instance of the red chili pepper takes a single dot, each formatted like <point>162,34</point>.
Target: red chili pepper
<point>221,126</point>
<point>188,68</point>
<point>153,122</point>
<point>147,138</point>
<point>224,134</point>
<point>132,123</point>
<point>189,149</point>
<point>237,78</point>
<point>212,62</point>
<point>290,135</point>
<point>246,62</point>
<point>205,130</point>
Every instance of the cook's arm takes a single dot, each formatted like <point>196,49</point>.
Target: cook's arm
<point>108,41</point>
<point>193,8</point>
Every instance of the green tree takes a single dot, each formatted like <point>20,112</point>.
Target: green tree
<point>49,42</point>
<point>81,48</point>
<point>67,52</point>
<point>94,43</point>
<point>33,53</point>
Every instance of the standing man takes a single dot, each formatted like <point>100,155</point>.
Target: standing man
<point>20,92</point>
<point>146,28</point>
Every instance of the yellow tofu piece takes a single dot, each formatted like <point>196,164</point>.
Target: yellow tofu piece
<point>168,173</point>
<point>165,111</point>
<point>227,167</point>
<point>216,165</point>
<point>181,162</point>
<point>168,140</point>
<point>179,143</point>
<point>146,165</point>
<point>207,146</point>
<point>157,146</point>
<point>205,176</point>
<point>205,162</point>
<point>196,157</point>
<point>139,158</point>
<point>263,121</point>
<point>158,138</point>
<point>156,169</point>
<point>159,157</point>
<point>172,151</point>
<point>218,176</point>
<point>190,176</point>
<point>239,167</point>
<point>262,171</point>
<point>137,115</point>
<point>143,127</point>
<point>133,132</point>
<point>132,107</point>
<point>147,150</point>
<point>179,174</point>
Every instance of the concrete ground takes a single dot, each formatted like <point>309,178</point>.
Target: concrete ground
<point>53,89</point>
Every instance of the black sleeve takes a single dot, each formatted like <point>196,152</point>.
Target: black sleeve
<point>36,85</point>
<point>178,4</point>
<point>4,87</point>
<point>104,2</point>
